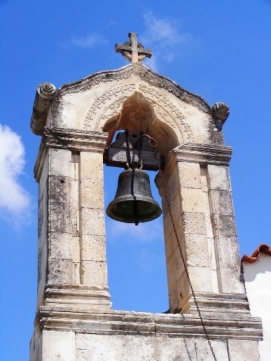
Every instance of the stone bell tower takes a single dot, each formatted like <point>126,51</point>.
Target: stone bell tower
<point>209,315</point>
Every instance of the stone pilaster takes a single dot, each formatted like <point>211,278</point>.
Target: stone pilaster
<point>197,184</point>
<point>72,260</point>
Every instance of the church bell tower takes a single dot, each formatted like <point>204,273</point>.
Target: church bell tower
<point>168,129</point>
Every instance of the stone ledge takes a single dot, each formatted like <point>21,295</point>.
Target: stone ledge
<point>77,140</point>
<point>77,297</point>
<point>211,303</point>
<point>203,154</point>
<point>147,324</point>
<point>69,139</point>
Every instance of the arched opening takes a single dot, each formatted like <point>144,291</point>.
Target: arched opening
<point>135,257</point>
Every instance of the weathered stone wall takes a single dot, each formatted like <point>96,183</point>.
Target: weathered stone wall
<point>72,253</point>
<point>199,193</point>
<point>74,318</point>
<point>70,346</point>
<point>143,336</point>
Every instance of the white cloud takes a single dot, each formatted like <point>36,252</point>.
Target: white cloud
<point>127,232</point>
<point>162,31</point>
<point>163,36</point>
<point>89,41</point>
<point>13,197</point>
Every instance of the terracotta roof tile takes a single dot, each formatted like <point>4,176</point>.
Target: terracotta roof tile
<point>263,248</point>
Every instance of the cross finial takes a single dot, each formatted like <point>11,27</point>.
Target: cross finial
<point>132,50</point>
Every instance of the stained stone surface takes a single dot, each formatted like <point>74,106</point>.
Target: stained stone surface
<point>74,319</point>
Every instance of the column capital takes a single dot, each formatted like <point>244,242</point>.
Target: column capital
<point>69,139</point>
<point>203,154</point>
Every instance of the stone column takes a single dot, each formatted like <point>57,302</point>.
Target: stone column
<point>197,186</point>
<point>72,260</point>
<point>92,223</point>
<point>224,229</point>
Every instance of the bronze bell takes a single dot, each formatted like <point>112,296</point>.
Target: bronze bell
<point>133,202</point>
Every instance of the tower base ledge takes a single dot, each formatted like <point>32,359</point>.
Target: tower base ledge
<point>104,322</point>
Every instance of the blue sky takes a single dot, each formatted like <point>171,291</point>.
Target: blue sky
<point>220,50</point>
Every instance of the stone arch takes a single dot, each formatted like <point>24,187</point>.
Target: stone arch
<point>169,122</point>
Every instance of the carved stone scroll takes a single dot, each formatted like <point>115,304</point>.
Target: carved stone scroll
<point>43,99</point>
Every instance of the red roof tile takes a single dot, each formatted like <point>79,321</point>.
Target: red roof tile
<point>263,248</point>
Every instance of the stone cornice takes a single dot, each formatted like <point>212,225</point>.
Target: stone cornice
<point>148,324</point>
<point>203,154</point>
<point>73,140</point>
<point>145,74</point>
<point>47,96</point>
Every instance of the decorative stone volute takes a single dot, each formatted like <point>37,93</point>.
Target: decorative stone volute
<point>220,112</point>
<point>43,99</point>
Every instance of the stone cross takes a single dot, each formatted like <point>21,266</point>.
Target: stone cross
<point>132,50</point>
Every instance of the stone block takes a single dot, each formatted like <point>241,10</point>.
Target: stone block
<point>93,248</point>
<point>197,250</point>
<point>60,271</point>
<point>183,287</point>
<point>219,177</point>
<point>149,348</point>
<point>93,222</point>
<point>44,175</point>
<point>43,217</point>
<point>209,225</point>
<point>76,275</point>
<point>220,348</point>
<point>58,346</point>
<point>91,164</point>
<point>92,195</point>
<point>201,278</point>
<point>194,200</point>
<point>113,348</point>
<point>171,246</point>
<point>168,226</point>
<point>36,348</point>
<point>172,186</point>
<point>189,175</point>
<point>64,246</point>
<point>204,179</point>
<point>226,225</point>
<point>177,291</point>
<point>175,267</point>
<point>42,272</point>
<point>59,204</point>
<point>174,300</point>
<point>175,207</point>
<point>60,162</point>
<point>243,350</point>
<point>74,208</point>
<point>94,273</point>
<point>194,223</point>
<point>222,202</point>
<point>228,252</point>
<point>231,280</point>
